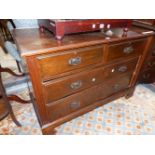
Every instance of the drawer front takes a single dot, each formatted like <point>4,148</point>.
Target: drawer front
<point>54,64</point>
<point>125,49</point>
<point>89,96</point>
<point>62,87</point>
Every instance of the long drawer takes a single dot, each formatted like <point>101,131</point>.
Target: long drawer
<point>63,87</point>
<point>79,100</point>
<point>125,49</point>
<point>54,64</point>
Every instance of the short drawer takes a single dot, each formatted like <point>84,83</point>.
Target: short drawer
<point>54,64</point>
<point>125,49</point>
<point>63,87</point>
<point>72,103</point>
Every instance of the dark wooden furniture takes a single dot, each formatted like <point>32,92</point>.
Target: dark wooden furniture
<point>81,72</point>
<point>147,74</point>
<point>145,23</point>
<point>69,26</point>
<point>3,109</point>
<point>5,105</point>
<point>4,30</point>
<point>148,70</point>
<point>2,44</point>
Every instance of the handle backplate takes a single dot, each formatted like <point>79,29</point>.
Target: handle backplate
<point>75,61</point>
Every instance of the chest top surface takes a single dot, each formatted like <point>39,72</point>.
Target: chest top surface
<point>33,41</point>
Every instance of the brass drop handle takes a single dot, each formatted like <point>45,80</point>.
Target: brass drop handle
<point>75,105</point>
<point>122,69</point>
<point>128,50</point>
<point>75,61</point>
<point>76,85</point>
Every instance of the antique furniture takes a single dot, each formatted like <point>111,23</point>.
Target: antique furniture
<point>3,29</point>
<point>147,74</point>
<point>145,23</point>
<point>69,26</point>
<point>148,71</point>
<point>82,71</point>
<point>5,105</point>
<point>11,49</point>
<point>2,43</point>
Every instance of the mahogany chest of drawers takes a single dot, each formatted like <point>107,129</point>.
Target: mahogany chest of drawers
<point>81,72</point>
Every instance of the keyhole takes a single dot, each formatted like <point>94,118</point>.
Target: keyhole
<point>93,79</point>
<point>112,70</point>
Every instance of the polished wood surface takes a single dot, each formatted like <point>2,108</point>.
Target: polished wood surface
<point>33,41</point>
<point>81,72</point>
<point>61,27</point>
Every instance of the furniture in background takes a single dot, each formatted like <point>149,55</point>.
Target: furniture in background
<point>145,23</point>
<point>61,27</point>
<point>4,30</point>
<point>148,70</point>
<point>5,98</point>
<point>11,48</point>
<point>2,43</point>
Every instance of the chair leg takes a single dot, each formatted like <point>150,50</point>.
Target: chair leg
<point>13,116</point>
<point>14,119</point>
<point>6,100</point>
<point>19,67</point>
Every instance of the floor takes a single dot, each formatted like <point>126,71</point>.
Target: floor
<point>135,116</point>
